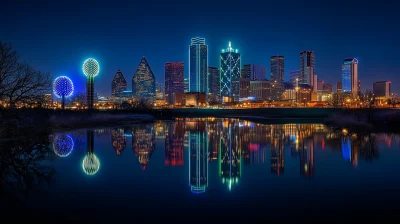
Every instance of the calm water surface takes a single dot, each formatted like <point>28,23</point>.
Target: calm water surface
<point>203,168</point>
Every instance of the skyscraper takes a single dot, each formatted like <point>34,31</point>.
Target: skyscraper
<point>160,91</point>
<point>198,65</point>
<point>307,67</point>
<point>254,72</point>
<point>213,82</point>
<point>174,78</point>
<point>144,82</point>
<point>382,89</point>
<point>350,76</point>
<point>186,85</point>
<point>230,73</point>
<point>294,74</point>
<point>277,76</point>
<point>118,84</point>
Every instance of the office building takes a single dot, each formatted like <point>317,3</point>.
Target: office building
<point>213,83</point>
<point>382,90</point>
<point>277,76</point>
<point>307,67</point>
<point>198,65</point>
<point>174,79</point>
<point>160,91</point>
<point>118,84</point>
<point>244,88</point>
<point>260,90</point>
<point>254,72</point>
<point>350,76</point>
<point>186,85</point>
<point>294,76</point>
<point>144,82</point>
<point>230,73</point>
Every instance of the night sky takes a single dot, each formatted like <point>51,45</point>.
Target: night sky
<point>57,36</point>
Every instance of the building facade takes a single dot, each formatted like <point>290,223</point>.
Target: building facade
<point>198,65</point>
<point>244,88</point>
<point>277,76</point>
<point>144,82</point>
<point>307,67</point>
<point>230,73</point>
<point>294,76</point>
<point>382,89</point>
<point>118,84</point>
<point>174,79</point>
<point>213,83</point>
<point>350,76</point>
<point>261,90</point>
<point>254,72</point>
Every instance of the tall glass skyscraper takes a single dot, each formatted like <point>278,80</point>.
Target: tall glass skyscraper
<point>144,82</point>
<point>350,76</point>
<point>213,81</point>
<point>307,67</point>
<point>230,73</point>
<point>277,76</point>
<point>198,65</point>
<point>118,84</point>
<point>254,72</point>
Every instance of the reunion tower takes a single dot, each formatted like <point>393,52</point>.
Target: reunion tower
<point>91,69</point>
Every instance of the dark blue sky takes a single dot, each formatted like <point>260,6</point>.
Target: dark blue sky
<point>56,36</point>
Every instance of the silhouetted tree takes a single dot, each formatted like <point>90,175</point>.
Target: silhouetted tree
<point>19,82</point>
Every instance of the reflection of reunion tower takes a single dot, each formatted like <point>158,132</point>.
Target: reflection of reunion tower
<point>90,164</point>
<point>91,69</point>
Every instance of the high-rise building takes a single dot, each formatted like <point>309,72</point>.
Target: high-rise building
<point>382,89</point>
<point>230,72</point>
<point>118,84</point>
<point>254,72</point>
<point>198,65</point>
<point>350,76</point>
<point>339,87</point>
<point>244,88</point>
<point>260,90</point>
<point>294,75</point>
<point>186,85</point>
<point>143,143</point>
<point>160,91</point>
<point>213,82</point>
<point>174,79</point>
<point>144,82</point>
<point>277,76</point>
<point>307,67</point>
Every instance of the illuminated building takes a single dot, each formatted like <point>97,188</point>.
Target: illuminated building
<point>230,72</point>
<point>174,79</point>
<point>195,99</point>
<point>261,90</point>
<point>230,153</point>
<point>118,140</point>
<point>143,143</point>
<point>48,100</point>
<point>174,150</point>
<point>339,87</point>
<point>254,72</point>
<point>186,85</point>
<point>91,69</point>
<point>244,88</point>
<point>307,67</point>
<point>198,65</point>
<point>294,75</point>
<point>118,84</point>
<point>160,91</point>
<point>277,150</point>
<point>144,82</point>
<point>213,83</point>
<point>289,92</point>
<point>350,76</point>
<point>198,156</point>
<point>277,76</point>
<point>382,90</point>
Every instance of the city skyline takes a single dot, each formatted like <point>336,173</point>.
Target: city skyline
<point>256,45</point>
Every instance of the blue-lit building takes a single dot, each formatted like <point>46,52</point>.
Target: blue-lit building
<point>350,76</point>
<point>230,73</point>
<point>198,65</point>
<point>144,82</point>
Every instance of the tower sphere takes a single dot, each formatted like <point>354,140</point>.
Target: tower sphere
<point>91,67</point>
<point>63,86</point>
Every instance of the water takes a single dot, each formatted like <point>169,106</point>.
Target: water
<point>198,168</point>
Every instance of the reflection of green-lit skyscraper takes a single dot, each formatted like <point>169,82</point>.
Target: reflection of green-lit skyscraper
<point>198,159</point>
<point>230,153</point>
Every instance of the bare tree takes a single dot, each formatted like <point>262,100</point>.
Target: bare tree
<point>19,82</point>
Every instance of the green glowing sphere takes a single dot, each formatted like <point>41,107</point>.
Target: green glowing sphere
<point>91,67</point>
<point>90,164</point>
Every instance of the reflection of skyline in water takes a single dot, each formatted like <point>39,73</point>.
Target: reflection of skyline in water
<point>230,144</point>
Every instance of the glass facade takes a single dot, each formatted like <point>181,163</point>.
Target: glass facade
<point>230,73</point>
<point>118,84</point>
<point>198,65</point>
<point>277,76</point>
<point>144,82</point>
<point>346,77</point>
<point>350,80</point>
<point>174,78</point>
<point>213,81</point>
<point>307,67</point>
